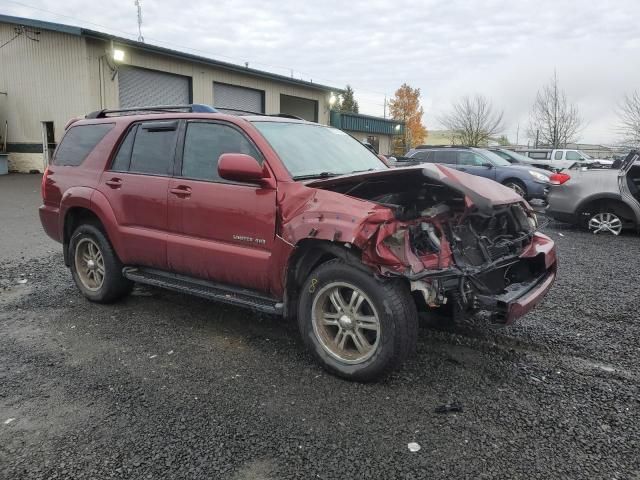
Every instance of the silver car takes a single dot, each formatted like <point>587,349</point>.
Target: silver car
<point>602,200</point>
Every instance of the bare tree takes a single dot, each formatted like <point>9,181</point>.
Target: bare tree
<point>473,121</point>
<point>629,113</point>
<point>552,120</point>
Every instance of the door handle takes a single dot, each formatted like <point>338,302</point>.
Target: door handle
<point>114,182</point>
<point>181,191</point>
<point>462,169</point>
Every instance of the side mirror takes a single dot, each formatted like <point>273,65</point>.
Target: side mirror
<point>239,167</point>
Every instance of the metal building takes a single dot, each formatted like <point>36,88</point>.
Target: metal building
<point>51,72</point>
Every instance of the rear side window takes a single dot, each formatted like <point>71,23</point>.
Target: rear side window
<point>558,155</point>
<point>203,145</point>
<point>424,156</point>
<point>445,156</point>
<point>78,143</point>
<point>148,148</point>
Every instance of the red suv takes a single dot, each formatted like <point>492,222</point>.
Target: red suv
<point>291,218</point>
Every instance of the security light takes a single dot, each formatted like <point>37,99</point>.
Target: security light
<point>398,128</point>
<point>118,55</point>
<point>332,99</point>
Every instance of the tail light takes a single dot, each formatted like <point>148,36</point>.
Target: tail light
<point>559,178</point>
<point>43,186</point>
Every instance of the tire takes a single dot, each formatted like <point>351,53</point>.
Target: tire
<point>90,244</point>
<point>517,186</point>
<point>389,301</point>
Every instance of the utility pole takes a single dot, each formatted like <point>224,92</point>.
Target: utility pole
<point>140,37</point>
<point>537,137</point>
<point>385,107</point>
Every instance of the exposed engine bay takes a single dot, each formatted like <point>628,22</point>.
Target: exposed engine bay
<point>455,247</point>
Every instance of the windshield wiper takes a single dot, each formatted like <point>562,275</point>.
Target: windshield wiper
<point>362,171</point>
<point>317,175</point>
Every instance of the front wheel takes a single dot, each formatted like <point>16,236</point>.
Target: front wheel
<point>517,187</point>
<point>356,326</point>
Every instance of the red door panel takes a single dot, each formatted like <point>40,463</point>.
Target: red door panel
<point>139,203</point>
<point>221,232</point>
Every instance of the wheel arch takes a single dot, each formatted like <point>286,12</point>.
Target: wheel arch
<point>617,203</point>
<point>308,255</point>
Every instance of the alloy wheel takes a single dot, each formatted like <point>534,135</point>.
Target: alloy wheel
<point>605,222</point>
<point>346,323</point>
<point>89,264</point>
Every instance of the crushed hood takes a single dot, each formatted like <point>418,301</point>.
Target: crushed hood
<point>481,192</point>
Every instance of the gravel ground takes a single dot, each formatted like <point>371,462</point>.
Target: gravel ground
<point>163,385</point>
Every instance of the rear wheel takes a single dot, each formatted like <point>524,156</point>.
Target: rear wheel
<point>356,326</point>
<point>517,186</point>
<point>95,268</point>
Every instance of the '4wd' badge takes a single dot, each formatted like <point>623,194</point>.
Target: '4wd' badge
<point>244,238</point>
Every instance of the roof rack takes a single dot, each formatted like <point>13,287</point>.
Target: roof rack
<point>192,108</point>
<point>426,147</point>
<point>249,112</point>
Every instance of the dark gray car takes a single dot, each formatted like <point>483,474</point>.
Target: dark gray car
<point>602,200</point>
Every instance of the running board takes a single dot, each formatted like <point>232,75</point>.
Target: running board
<point>220,293</point>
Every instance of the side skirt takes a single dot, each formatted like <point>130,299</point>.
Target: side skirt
<point>212,291</point>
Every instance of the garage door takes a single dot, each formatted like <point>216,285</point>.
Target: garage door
<point>232,97</point>
<point>300,107</point>
<point>139,87</point>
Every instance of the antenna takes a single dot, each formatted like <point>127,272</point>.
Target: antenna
<point>140,37</point>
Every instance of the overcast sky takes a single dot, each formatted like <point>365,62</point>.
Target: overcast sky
<point>503,49</point>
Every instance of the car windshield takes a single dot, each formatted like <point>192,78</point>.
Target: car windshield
<point>497,160</point>
<point>310,150</point>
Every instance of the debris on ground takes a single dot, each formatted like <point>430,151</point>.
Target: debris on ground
<point>449,407</point>
<point>413,447</point>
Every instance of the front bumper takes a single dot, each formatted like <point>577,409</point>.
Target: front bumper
<point>538,190</point>
<point>520,298</point>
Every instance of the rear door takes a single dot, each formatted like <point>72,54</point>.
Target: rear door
<point>219,230</point>
<point>136,187</point>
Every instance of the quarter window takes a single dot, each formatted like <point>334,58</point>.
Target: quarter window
<point>78,143</point>
<point>203,145</point>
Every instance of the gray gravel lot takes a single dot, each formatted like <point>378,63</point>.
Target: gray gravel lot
<point>163,385</point>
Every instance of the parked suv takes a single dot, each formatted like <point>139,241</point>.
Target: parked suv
<point>291,218</point>
<point>528,182</point>
<point>604,201</point>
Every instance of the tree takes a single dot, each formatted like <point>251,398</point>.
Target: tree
<point>503,140</point>
<point>349,103</point>
<point>629,122</point>
<point>473,121</point>
<point>405,106</point>
<point>553,121</point>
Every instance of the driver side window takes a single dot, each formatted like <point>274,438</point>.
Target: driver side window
<point>203,145</point>
<point>471,159</point>
<point>573,156</point>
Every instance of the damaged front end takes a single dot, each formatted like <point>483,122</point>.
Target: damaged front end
<point>464,245</point>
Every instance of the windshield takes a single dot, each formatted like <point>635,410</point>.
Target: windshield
<point>497,160</point>
<point>310,150</point>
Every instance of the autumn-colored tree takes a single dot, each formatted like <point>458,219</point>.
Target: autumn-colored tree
<point>405,106</point>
